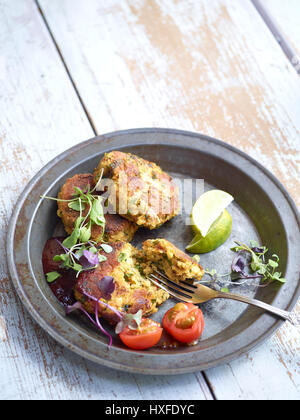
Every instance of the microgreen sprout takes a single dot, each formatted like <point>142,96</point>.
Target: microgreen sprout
<point>133,321</point>
<point>250,263</point>
<point>80,252</point>
<point>52,276</point>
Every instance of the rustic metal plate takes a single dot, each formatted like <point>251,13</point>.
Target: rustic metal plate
<point>262,210</point>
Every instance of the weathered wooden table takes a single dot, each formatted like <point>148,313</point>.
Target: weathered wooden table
<point>70,69</point>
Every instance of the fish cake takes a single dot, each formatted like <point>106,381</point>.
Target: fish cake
<point>132,290</point>
<point>162,255</point>
<point>116,227</point>
<point>143,192</point>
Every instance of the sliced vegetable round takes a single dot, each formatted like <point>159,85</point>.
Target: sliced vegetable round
<point>145,336</point>
<point>184,322</point>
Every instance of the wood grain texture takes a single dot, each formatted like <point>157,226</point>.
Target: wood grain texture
<point>212,67</point>
<point>287,15</point>
<point>40,117</point>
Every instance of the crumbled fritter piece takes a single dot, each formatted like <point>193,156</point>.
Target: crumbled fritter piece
<point>116,228</point>
<point>162,255</point>
<point>144,193</point>
<point>132,290</point>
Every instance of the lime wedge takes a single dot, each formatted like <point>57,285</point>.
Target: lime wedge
<point>208,208</point>
<point>218,233</point>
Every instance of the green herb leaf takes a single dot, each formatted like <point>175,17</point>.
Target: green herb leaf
<point>101,257</point>
<point>273,264</point>
<point>254,244</point>
<point>85,233</point>
<point>281,280</point>
<point>62,257</point>
<point>136,320</point>
<point>96,214</point>
<point>71,240</point>
<point>258,264</point>
<point>76,205</point>
<point>106,248</point>
<point>77,267</point>
<point>52,276</point>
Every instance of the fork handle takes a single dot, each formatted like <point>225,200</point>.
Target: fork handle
<point>292,317</point>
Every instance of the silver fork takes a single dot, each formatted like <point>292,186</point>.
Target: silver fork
<point>198,293</point>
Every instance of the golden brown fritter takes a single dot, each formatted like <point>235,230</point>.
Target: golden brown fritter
<point>143,193</point>
<point>132,290</point>
<point>162,255</point>
<point>116,227</point>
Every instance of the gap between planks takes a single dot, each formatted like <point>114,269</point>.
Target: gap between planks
<point>66,67</point>
<point>277,33</point>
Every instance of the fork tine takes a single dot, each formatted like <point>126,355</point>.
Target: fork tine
<point>171,292</point>
<point>184,287</point>
<point>173,286</point>
<point>190,287</point>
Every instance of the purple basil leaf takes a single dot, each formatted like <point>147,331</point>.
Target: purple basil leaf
<point>238,265</point>
<point>258,250</point>
<point>88,259</point>
<point>74,307</point>
<point>107,286</point>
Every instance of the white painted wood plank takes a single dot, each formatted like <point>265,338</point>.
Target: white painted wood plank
<point>212,67</point>
<point>209,67</point>
<point>287,16</point>
<point>270,372</point>
<point>40,117</point>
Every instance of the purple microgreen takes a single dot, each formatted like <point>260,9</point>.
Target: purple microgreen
<point>118,313</point>
<point>100,326</point>
<point>63,247</point>
<point>52,276</point>
<point>247,265</point>
<point>258,250</point>
<point>88,188</point>
<point>88,259</point>
<point>78,306</point>
<point>71,308</point>
<point>133,321</point>
<point>238,264</point>
<point>107,286</point>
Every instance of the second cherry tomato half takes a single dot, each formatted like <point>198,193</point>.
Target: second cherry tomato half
<point>184,322</point>
<point>145,336</point>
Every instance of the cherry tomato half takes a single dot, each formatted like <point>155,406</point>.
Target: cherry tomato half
<point>147,335</point>
<point>184,322</point>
